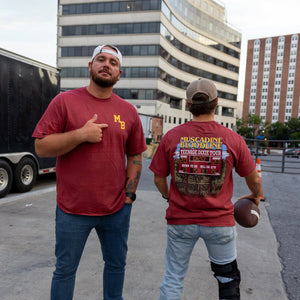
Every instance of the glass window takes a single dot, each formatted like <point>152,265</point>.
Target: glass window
<point>99,28</point>
<point>149,94</point>
<point>137,28</point>
<point>115,7</point>
<point>143,72</point>
<point>144,50</point>
<point>135,72</point>
<point>136,50</point>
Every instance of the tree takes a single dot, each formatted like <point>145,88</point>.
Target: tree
<point>249,127</point>
<point>293,125</point>
<point>278,131</point>
<point>242,128</point>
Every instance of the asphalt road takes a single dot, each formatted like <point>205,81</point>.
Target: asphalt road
<point>282,199</point>
<point>281,192</point>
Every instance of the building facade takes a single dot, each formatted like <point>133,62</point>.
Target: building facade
<point>272,81</point>
<point>165,46</point>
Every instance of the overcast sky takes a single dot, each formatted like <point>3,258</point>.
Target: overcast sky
<point>29,27</point>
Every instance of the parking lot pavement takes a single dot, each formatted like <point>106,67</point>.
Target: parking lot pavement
<point>27,254</point>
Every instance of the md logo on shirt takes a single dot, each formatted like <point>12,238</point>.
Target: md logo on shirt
<point>117,119</point>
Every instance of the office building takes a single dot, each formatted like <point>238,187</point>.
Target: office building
<point>272,81</point>
<point>165,46</point>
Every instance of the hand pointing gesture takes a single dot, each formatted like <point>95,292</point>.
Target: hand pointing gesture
<point>91,131</point>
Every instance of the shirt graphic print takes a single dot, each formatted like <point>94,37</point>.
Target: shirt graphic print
<point>200,165</point>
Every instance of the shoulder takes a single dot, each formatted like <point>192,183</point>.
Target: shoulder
<point>173,134</point>
<point>75,92</point>
<point>179,129</point>
<point>120,102</point>
<point>70,94</point>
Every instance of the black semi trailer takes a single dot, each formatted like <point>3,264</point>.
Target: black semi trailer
<point>26,88</point>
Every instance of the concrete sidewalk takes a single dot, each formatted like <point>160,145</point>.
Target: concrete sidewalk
<point>27,255</point>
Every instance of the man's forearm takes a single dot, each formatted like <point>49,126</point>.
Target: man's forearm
<point>133,172</point>
<point>162,185</point>
<point>254,183</point>
<point>57,144</point>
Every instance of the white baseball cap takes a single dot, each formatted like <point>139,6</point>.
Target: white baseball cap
<point>204,86</point>
<point>100,49</point>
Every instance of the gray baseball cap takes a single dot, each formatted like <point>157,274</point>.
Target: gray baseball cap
<point>100,49</point>
<point>204,86</point>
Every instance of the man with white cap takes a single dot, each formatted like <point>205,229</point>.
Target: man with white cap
<point>200,156</point>
<point>92,131</point>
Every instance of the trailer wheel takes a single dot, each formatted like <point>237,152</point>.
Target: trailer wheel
<point>6,178</point>
<point>25,175</point>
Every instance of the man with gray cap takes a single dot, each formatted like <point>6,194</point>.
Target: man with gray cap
<point>92,131</point>
<point>200,156</point>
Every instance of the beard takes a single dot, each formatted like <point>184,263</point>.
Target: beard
<point>104,82</point>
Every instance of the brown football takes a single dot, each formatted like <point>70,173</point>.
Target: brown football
<point>246,213</point>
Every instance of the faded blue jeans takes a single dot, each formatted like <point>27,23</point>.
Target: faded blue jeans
<point>181,239</point>
<point>72,232</point>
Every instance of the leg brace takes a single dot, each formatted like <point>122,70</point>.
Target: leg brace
<point>228,277</point>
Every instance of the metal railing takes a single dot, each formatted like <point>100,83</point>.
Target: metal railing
<point>278,156</point>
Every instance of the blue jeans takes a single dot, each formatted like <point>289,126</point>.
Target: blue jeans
<point>181,239</point>
<point>72,232</point>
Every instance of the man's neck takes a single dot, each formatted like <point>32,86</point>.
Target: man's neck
<point>98,91</point>
<point>204,118</point>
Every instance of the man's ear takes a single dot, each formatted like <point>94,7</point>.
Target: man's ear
<point>90,65</point>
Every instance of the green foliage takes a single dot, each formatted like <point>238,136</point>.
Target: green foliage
<point>293,125</point>
<point>249,127</point>
<point>253,126</point>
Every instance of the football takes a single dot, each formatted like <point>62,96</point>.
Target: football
<point>246,213</point>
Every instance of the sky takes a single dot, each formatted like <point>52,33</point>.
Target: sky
<point>29,27</point>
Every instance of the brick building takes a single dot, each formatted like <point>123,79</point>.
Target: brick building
<point>272,82</point>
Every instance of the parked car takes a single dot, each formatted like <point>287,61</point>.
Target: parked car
<point>292,152</point>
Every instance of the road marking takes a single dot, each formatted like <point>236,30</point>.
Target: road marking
<point>13,198</point>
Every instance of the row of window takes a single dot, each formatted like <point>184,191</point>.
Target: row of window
<point>111,7</point>
<point>196,36</point>
<point>126,50</point>
<point>197,54</point>
<point>139,28</point>
<point>110,29</point>
<point>203,21</point>
<point>126,6</point>
<point>198,72</point>
<point>140,72</point>
<point>149,50</point>
<point>144,50</point>
<point>153,94</point>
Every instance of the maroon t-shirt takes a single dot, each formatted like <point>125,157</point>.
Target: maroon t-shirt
<point>200,157</point>
<point>91,178</point>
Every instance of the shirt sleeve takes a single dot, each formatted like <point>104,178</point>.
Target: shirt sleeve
<point>160,164</point>
<point>245,162</point>
<point>136,143</point>
<point>53,119</point>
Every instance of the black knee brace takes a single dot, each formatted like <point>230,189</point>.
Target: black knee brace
<point>229,278</point>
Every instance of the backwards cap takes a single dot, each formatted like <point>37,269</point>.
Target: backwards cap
<point>100,49</point>
<point>203,86</point>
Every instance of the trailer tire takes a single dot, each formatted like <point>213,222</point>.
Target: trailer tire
<point>6,178</point>
<point>25,175</point>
